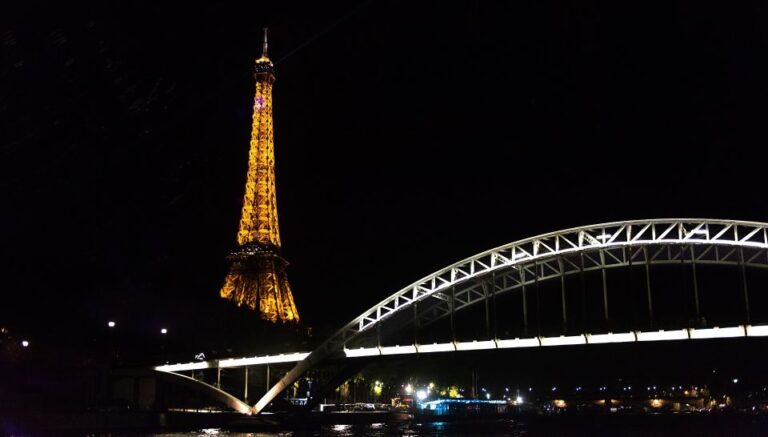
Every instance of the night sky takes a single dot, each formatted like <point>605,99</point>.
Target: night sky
<point>408,136</point>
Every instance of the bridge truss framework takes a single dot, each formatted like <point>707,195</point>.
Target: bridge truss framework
<point>527,262</point>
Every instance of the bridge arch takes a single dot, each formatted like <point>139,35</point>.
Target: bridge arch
<point>160,373</point>
<point>656,241</point>
<point>207,389</point>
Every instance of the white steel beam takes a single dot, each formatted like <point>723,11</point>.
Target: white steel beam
<point>757,331</point>
<point>563,340</point>
<point>680,334</point>
<point>398,350</point>
<point>182,367</point>
<point>716,332</point>
<point>362,352</point>
<point>623,337</point>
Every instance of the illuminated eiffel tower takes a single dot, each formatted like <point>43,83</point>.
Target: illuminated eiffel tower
<point>257,277</point>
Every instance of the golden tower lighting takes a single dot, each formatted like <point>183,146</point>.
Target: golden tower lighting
<point>257,278</point>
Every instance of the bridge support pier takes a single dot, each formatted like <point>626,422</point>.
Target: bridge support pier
<point>695,287</point>
<point>525,302</point>
<point>744,283</point>
<point>495,312</point>
<point>648,286</point>
<point>584,324</point>
<point>605,285</point>
<point>245,394</point>
<point>415,323</point>
<point>453,305</point>
<point>487,311</point>
<point>538,301</point>
<point>562,294</point>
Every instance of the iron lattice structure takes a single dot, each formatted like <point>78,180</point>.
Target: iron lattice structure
<point>257,277</point>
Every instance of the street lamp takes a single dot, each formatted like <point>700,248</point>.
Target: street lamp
<point>24,343</point>
<point>163,335</point>
<point>111,344</point>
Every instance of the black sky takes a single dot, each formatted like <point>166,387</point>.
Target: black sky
<point>408,136</point>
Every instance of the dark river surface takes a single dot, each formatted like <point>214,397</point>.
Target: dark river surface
<point>625,426</point>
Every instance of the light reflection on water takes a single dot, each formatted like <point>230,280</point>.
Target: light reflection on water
<point>444,429</point>
<point>218,432</point>
<point>566,426</point>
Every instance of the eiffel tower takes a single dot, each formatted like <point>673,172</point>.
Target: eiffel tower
<point>256,277</point>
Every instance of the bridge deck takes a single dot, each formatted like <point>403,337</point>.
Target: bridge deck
<point>620,337</point>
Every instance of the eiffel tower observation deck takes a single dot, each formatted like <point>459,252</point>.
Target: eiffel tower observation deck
<point>257,277</point>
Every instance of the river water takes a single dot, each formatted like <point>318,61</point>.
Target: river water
<point>504,428</point>
<point>645,426</point>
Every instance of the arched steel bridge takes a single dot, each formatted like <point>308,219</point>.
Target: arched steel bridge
<point>526,262</point>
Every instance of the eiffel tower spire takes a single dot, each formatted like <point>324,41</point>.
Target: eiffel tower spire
<point>264,47</point>
<point>257,277</point>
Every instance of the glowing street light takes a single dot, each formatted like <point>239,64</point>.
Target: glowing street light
<point>421,395</point>
<point>519,400</point>
<point>24,343</point>
<point>163,331</point>
<point>111,324</point>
